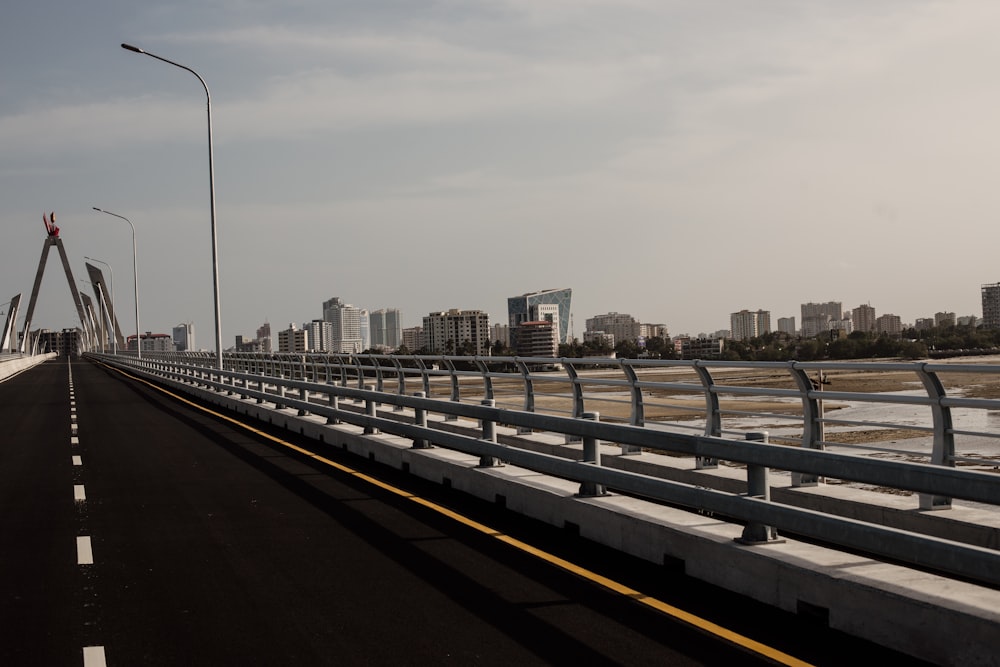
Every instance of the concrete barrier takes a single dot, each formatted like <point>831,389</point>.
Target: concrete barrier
<point>14,364</point>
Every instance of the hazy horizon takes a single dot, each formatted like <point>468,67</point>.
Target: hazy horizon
<point>674,161</point>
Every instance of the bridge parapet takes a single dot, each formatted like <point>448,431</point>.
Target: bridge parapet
<point>12,364</point>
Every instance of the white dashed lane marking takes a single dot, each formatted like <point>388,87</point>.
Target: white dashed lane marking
<point>93,656</point>
<point>84,551</point>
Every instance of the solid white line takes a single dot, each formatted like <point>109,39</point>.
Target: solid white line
<point>79,493</point>
<point>84,552</point>
<point>93,656</point>
<point>77,461</point>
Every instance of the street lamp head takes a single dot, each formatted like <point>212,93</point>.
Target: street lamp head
<point>129,47</point>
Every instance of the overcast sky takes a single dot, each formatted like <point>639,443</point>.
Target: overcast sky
<point>677,161</point>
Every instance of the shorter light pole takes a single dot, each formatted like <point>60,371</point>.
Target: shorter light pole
<point>111,314</point>
<point>135,278</point>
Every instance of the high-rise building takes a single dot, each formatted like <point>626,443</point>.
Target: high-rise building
<point>453,331</point>
<point>891,325</point>
<point>944,319</point>
<point>293,339</point>
<point>701,347</point>
<point>551,304</point>
<point>991,305</point>
<point>386,328</point>
<point>844,326</point>
<point>365,329</point>
<point>620,326</point>
<point>264,337</point>
<point>320,336</point>
<point>747,324</point>
<point>864,318</point>
<point>183,337</point>
<point>413,338</point>
<point>346,321</point>
<point>599,337</point>
<point>816,317</point>
<point>501,333</point>
<point>654,331</point>
<point>537,339</point>
<point>786,325</point>
<point>152,342</point>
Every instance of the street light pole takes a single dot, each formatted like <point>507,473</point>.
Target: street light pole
<point>211,189</point>
<point>114,333</point>
<point>135,280</point>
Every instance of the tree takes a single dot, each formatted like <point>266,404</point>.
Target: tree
<point>627,349</point>
<point>500,350</point>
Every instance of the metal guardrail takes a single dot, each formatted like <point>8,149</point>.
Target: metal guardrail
<point>316,389</point>
<point>704,397</point>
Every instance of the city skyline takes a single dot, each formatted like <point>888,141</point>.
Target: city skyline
<point>675,162</point>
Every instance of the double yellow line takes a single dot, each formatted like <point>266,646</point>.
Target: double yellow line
<point>702,624</point>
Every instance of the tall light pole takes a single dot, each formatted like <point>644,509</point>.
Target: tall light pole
<point>211,190</point>
<point>135,280</point>
<point>114,334</point>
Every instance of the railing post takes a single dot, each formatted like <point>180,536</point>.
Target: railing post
<point>529,393</point>
<point>591,455</point>
<point>813,424</point>
<point>334,401</point>
<point>943,450</point>
<point>456,391</point>
<point>304,395</point>
<point>370,412</point>
<point>758,486</point>
<point>713,415</point>
<point>420,419</point>
<point>489,433</point>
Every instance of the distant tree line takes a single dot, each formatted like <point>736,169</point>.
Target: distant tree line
<point>912,344</point>
<point>776,346</point>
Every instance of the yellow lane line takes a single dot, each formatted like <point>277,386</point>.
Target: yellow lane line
<point>595,578</point>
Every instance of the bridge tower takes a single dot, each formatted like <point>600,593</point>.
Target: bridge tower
<point>52,240</point>
<point>9,325</point>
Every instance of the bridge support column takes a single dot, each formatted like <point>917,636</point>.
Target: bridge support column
<point>420,419</point>
<point>592,455</point>
<point>489,433</point>
<point>758,486</point>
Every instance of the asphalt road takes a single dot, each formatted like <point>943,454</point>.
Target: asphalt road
<point>213,546</point>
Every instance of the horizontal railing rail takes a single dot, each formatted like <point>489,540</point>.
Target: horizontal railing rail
<point>802,401</point>
<point>302,388</point>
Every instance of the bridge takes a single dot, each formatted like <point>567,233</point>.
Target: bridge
<point>216,511</point>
